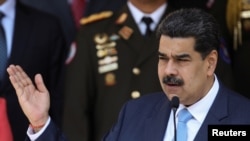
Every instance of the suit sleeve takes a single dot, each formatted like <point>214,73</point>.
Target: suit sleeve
<point>52,133</point>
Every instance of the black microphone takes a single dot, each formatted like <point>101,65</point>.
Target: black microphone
<point>175,104</point>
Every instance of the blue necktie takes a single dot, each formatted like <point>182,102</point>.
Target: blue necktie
<point>3,50</point>
<point>183,117</point>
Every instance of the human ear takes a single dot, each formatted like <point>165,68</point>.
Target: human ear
<point>212,59</point>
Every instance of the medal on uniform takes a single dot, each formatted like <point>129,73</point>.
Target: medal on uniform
<point>108,60</point>
<point>110,79</point>
<point>108,67</point>
<point>125,32</point>
<point>101,38</point>
<point>122,18</point>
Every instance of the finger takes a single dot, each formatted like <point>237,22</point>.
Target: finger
<point>40,84</point>
<point>20,79</point>
<point>24,78</point>
<point>14,81</point>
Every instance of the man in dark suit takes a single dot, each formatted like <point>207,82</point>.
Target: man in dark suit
<point>112,64</point>
<point>35,41</point>
<point>188,56</point>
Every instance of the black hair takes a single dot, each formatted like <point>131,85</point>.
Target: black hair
<point>192,22</point>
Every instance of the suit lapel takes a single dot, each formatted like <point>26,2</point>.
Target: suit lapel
<point>156,124</point>
<point>216,115</point>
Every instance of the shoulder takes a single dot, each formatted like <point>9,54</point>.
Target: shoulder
<point>35,14</point>
<point>236,101</point>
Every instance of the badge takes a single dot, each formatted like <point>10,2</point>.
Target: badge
<point>101,53</point>
<point>107,45</point>
<point>108,67</point>
<point>110,79</point>
<point>114,37</point>
<point>108,60</point>
<point>101,38</point>
<point>122,18</point>
<point>125,32</point>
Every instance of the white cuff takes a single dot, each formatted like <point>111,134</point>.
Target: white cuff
<point>33,136</point>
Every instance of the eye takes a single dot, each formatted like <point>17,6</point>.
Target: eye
<point>163,57</point>
<point>183,59</point>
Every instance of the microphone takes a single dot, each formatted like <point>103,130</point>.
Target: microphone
<point>175,104</point>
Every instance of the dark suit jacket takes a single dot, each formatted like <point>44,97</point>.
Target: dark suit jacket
<point>93,99</point>
<point>61,9</point>
<point>146,119</point>
<point>39,47</point>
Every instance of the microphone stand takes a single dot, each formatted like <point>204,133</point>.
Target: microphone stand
<point>175,130</point>
<point>175,104</point>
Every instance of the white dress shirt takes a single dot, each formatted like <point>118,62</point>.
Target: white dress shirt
<point>199,112</point>
<point>138,15</point>
<point>33,136</point>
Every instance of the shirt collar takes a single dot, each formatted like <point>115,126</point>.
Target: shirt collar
<point>200,109</point>
<point>8,8</point>
<point>137,14</point>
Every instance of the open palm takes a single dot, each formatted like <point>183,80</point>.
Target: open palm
<point>34,100</point>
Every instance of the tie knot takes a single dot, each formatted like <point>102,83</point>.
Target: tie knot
<point>184,115</point>
<point>147,20</point>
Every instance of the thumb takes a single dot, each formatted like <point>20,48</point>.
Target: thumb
<point>40,84</point>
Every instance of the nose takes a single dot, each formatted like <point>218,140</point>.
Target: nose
<point>171,68</point>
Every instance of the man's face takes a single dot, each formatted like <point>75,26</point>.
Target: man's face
<point>182,71</point>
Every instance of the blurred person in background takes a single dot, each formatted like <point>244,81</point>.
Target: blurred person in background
<point>34,40</point>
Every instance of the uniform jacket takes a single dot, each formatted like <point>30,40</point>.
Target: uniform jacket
<point>109,65</point>
<point>146,119</point>
<point>38,47</point>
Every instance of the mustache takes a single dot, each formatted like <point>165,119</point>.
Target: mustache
<point>172,80</point>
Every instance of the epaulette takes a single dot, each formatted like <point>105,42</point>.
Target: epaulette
<point>96,17</point>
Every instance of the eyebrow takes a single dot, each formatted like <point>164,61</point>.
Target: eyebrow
<point>184,55</point>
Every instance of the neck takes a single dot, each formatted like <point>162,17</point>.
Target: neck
<point>148,6</point>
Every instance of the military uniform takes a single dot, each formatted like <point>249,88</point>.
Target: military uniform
<point>114,63</point>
